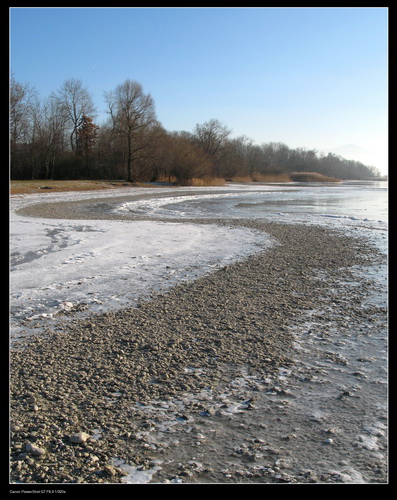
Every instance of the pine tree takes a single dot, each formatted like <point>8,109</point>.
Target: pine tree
<point>87,134</point>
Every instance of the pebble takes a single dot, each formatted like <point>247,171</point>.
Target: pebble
<point>35,450</point>
<point>80,437</point>
<point>236,317</point>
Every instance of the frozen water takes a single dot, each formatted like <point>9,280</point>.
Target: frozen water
<point>59,266</point>
<point>135,475</point>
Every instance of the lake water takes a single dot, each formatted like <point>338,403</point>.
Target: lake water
<point>349,205</point>
<point>103,263</point>
<point>336,354</point>
<point>358,208</point>
<point>354,200</point>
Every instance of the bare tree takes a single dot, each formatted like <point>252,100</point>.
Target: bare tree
<point>75,101</point>
<point>133,117</point>
<point>212,136</point>
<point>23,98</point>
<point>47,138</point>
<point>185,159</point>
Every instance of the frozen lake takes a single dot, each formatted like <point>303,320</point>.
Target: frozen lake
<point>359,201</point>
<point>338,384</point>
<point>59,266</point>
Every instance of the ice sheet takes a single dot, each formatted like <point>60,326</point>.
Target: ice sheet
<point>71,265</point>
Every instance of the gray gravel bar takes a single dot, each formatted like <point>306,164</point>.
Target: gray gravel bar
<point>186,387</point>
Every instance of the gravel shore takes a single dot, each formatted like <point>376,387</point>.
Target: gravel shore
<point>203,384</point>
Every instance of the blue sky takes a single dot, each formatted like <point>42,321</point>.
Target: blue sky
<point>308,77</point>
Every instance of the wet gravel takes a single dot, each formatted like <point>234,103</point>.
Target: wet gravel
<point>270,370</point>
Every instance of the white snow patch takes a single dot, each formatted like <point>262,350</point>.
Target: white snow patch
<point>58,266</point>
<point>135,475</point>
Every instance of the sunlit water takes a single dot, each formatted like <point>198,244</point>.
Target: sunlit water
<point>358,208</point>
<point>361,201</point>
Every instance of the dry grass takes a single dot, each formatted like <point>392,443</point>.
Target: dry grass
<point>49,186</point>
<point>209,181</point>
<point>197,182</point>
<point>242,179</point>
<point>311,177</point>
<point>292,177</point>
<point>259,177</point>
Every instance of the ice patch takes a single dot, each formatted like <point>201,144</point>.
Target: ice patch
<point>164,207</point>
<point>103,264</point>
<point>367,442</point>
<point>135,475</point>
<point>349,475</point>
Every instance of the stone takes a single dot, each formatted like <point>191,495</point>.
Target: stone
<point>109,470</point>
<point>239,316</point>
<point>80,437</point>
<point>35,450</point>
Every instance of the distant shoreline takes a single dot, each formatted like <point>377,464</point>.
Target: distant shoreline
<point>54,186</point>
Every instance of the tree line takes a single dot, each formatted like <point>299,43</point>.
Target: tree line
<point>57,138</point>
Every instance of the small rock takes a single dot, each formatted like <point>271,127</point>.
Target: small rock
<point>288,437</point>
<point>67,306</point>
<point>110,471</point>
<point>80,437</point>
<point>176,480</point>
<point>35,450</point>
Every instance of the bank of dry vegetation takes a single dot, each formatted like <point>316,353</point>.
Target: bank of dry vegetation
<point>57,138</point>
<point>50,185</point>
